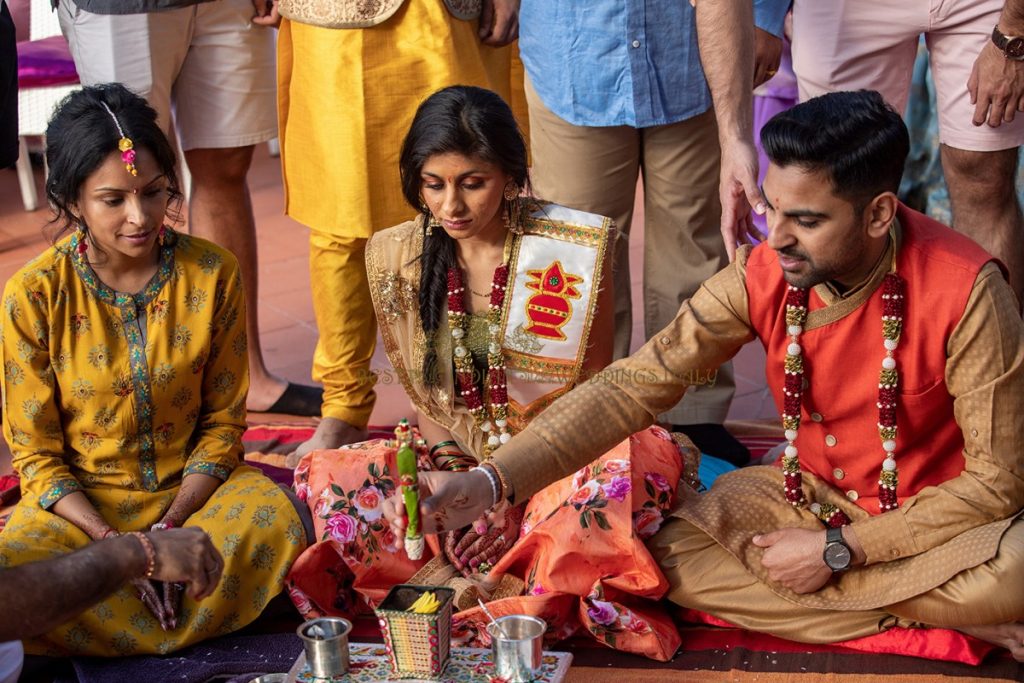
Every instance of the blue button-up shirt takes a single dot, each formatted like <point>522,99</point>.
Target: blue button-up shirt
<point>621,62</point>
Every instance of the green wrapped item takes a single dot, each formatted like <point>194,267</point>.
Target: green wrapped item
<point>409,480</point>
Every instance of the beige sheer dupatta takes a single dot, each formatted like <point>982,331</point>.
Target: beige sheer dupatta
<point>393,269</point>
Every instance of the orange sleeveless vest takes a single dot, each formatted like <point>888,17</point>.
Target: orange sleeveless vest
<point>838,438</point>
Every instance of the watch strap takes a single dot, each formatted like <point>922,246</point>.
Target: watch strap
<point>1003,41</point>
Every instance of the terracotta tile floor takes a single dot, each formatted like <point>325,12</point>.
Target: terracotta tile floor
<point>288,328</point>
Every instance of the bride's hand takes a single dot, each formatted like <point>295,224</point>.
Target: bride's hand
<point>448,500</point>
<point>476,548</point>
<point>151,598</point>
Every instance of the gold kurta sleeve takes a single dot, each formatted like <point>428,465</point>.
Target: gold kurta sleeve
<point>30,414</point>
<point>628,395</point>
<point>221,422</point>
<point>985,376</point>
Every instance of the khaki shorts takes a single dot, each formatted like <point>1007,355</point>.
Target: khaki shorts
<point>871,44</point>
<point>208,63</point>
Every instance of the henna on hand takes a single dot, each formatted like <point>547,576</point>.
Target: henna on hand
<point>493,545</point>
<point>451,540</point>
<point>171,602</point>
<point>152,600</point>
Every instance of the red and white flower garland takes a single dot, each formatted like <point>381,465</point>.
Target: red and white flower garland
<point>888,382</point>
<point>492,420</point>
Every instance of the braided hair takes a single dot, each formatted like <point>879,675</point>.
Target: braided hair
<point>469,121</point>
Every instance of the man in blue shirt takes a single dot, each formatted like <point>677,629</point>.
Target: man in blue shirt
<point>616,88</point>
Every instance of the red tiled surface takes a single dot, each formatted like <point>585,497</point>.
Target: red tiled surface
<point>287,325</point>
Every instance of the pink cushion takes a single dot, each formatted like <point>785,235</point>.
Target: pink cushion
<point>45,62</point>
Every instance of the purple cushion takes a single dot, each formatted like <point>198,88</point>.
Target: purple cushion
<point>45,62</point>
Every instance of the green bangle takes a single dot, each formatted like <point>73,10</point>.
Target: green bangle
<point>442,444</point>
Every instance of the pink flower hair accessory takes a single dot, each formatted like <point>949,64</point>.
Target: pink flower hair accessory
<point>125,144</point>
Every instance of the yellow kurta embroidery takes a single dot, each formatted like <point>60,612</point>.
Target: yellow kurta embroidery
<point>120,396</point>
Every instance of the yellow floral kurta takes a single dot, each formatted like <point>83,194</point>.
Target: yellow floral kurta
<point>93,404</point>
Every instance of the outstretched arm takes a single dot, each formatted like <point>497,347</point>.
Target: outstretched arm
<point>622,399</point>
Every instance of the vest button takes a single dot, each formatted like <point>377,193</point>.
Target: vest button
<point>816,417</point>
<point>830,440</point>
<point>852,495</point>
<point>838,473</point>
<point>974,432</point>
<point>665,340</point>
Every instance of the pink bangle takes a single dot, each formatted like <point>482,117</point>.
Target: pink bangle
<point>110,532</point>
<point>159,526</point>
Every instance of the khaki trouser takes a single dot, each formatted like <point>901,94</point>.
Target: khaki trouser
<point>596,169</point>
<point>348,327</point>
<point>705,576</point>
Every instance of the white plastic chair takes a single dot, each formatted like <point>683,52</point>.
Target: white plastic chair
<point>36,104</point>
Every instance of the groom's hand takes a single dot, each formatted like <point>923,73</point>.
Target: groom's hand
<point>448,500</point>
<point>794,558</point>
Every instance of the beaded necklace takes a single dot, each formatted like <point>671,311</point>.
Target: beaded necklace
<point>492,419</point>
<point>892,325</point>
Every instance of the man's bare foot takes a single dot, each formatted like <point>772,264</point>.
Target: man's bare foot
<point>330,433</point>
<point>1010,636</point>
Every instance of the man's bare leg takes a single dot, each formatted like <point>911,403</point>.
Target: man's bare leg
<point>985,206</point>
<point>220,210</point>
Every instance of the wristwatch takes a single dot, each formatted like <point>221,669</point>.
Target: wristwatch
<point>1012,46</point>
<point>837,554</point>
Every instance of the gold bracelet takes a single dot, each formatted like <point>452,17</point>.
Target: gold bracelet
<point>147,547</point>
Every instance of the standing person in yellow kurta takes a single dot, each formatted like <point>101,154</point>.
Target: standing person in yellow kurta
<point>348,87</point>
<point>124,383</point>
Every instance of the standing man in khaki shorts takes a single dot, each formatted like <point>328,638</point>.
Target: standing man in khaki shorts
<point>979,83</point>
<point>207,67</point>
<point>616,91</point>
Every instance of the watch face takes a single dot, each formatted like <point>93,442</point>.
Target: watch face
<point>837,556</point>
<point>1014,47</point>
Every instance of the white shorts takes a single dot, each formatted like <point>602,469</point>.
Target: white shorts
<point>872,44</point>
<point>208,63</point>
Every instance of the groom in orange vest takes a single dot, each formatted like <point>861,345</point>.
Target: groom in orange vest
<point>895,352</point>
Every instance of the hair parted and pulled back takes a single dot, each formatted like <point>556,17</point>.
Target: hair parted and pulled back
<point>473,122</point>
<point>855,137</point>
<point>81,135</point>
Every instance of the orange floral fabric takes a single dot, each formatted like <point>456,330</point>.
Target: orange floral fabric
<point>581,549</point>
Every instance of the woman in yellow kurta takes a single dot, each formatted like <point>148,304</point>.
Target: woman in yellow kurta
<point>124,357</point>
<point>346,99</point>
